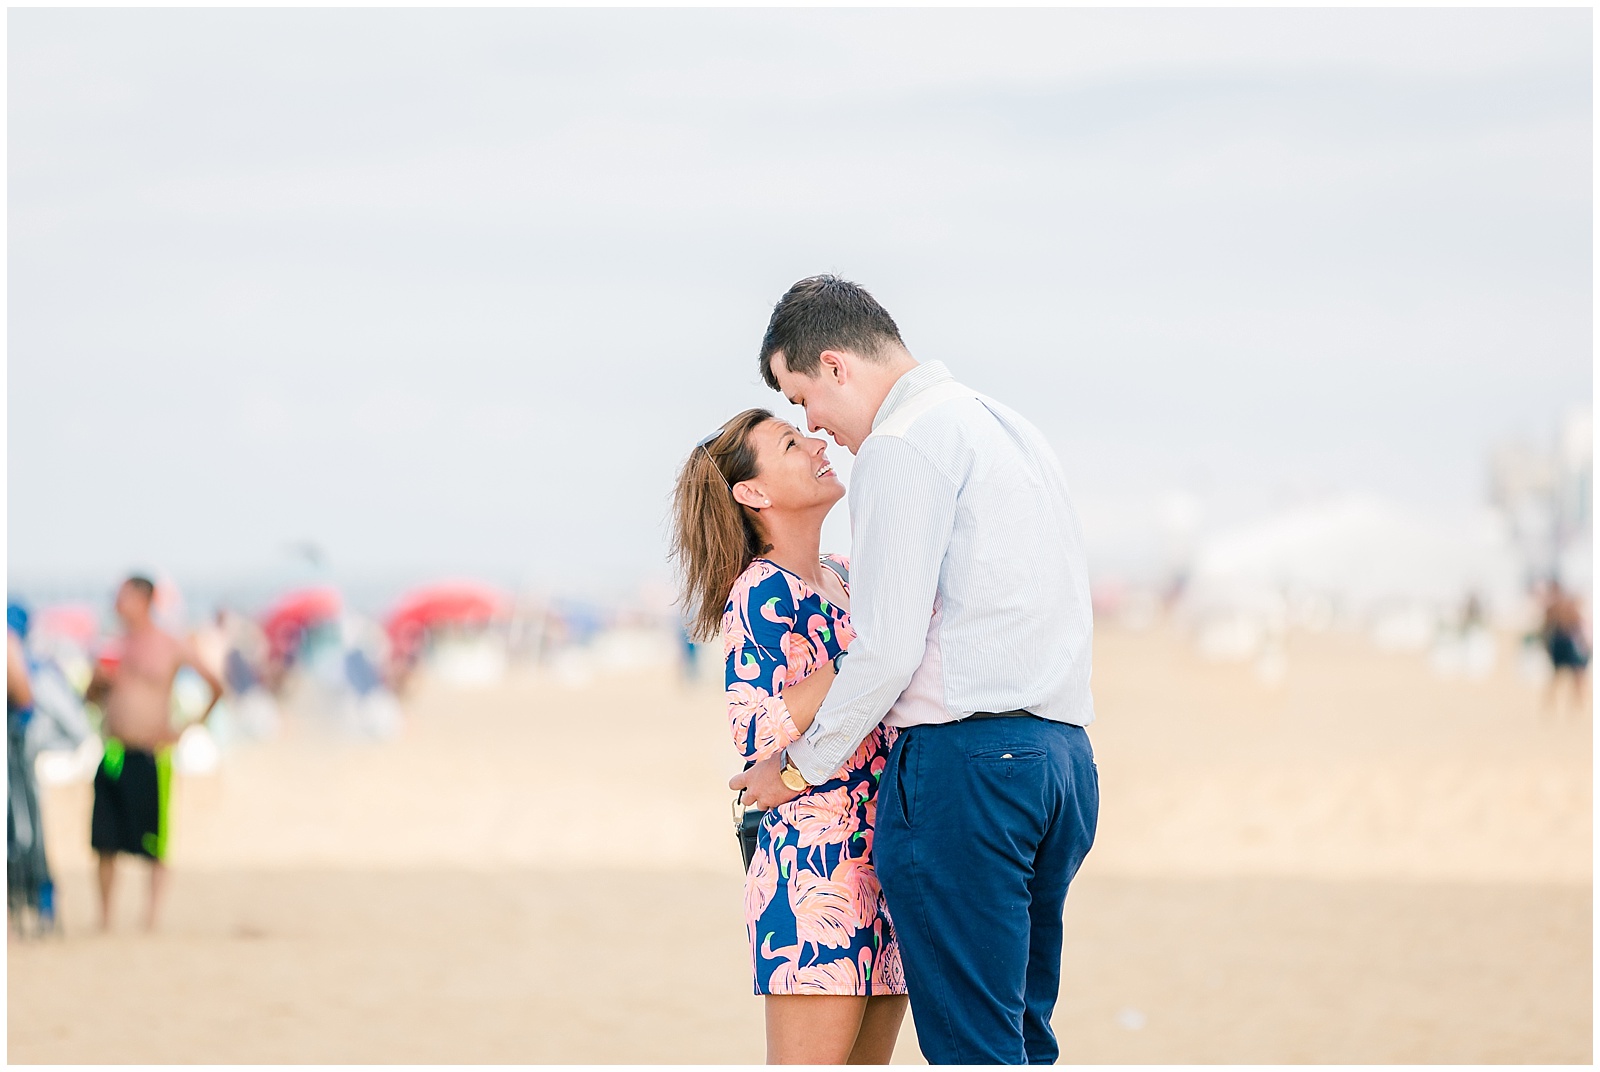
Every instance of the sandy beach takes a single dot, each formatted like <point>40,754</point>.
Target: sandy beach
<point>1361,863</point>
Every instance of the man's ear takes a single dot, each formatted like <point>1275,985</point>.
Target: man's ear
<point>745,493</point>
<point>835,364</point>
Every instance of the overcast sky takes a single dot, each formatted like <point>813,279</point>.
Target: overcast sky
<point>457,291</point>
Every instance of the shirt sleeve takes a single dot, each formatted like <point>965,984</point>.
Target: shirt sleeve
<point>902,513</point>
<point>758,639</point>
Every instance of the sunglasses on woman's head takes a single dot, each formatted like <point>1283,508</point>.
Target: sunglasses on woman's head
<point>704,445</point>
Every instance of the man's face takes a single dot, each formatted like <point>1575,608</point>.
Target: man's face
<point>830,402</point>
<point>132,605</point>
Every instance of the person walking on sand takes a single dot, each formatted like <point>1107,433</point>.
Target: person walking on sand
<point>132,786</point>
<point>747,529</point>
<point>1567,645</point>
<point>971,607</point>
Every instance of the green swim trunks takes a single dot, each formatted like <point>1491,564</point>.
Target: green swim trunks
<point>132,790</point>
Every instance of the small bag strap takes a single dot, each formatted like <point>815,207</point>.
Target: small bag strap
<point>839,568</point>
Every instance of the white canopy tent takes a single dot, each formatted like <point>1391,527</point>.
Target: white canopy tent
<point>1355,560</point>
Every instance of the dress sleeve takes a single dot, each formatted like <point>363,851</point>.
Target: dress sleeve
<point>761,642</point>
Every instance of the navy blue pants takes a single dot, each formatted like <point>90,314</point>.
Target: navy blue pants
<point>981,825</point>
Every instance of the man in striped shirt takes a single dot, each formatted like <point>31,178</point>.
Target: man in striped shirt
<point>970,600</point>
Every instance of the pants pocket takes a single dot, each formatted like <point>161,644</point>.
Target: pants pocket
<point>1004,754</point>
<point>1005,761</point>
<point>903,777</point>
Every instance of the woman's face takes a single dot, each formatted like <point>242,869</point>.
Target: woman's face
<point>793,472</point>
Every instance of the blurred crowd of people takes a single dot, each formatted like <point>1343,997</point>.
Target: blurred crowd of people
<point>127,707</point>
<point>307,657</point>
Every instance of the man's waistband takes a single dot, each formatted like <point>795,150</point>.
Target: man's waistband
<point>1019,713</point>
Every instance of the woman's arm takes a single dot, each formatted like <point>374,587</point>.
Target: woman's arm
<point>764,651</point>
<point>804,698</point>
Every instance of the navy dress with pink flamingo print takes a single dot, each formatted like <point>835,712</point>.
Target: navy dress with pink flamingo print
<point>814,911</point>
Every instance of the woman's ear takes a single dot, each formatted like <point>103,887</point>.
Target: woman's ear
<point>746,493</point>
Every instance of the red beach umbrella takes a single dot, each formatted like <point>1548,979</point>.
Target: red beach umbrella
<point>77,622</point>
<point>286,620</point>
<point>454,603</point>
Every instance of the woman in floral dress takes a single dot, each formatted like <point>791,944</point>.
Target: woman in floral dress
<point>748,512</point>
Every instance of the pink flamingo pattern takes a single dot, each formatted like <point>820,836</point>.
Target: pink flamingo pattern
<point>814,911</point>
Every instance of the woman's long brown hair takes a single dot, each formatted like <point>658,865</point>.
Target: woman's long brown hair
<point>713,537</point>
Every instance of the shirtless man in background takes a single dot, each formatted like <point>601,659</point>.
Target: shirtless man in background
<point>132,787</point>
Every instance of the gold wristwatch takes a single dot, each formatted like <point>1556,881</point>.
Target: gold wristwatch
<point>791,775</point>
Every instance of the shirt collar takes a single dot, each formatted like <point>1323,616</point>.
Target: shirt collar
<point>912,383</point>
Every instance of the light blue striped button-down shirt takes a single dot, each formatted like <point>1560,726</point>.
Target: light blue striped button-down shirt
<point>969,586</point>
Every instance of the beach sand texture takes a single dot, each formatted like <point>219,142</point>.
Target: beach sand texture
<point>1363,863</point>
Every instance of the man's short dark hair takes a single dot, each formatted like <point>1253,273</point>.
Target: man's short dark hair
<point>141,584</point>
<point>824,312</point>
